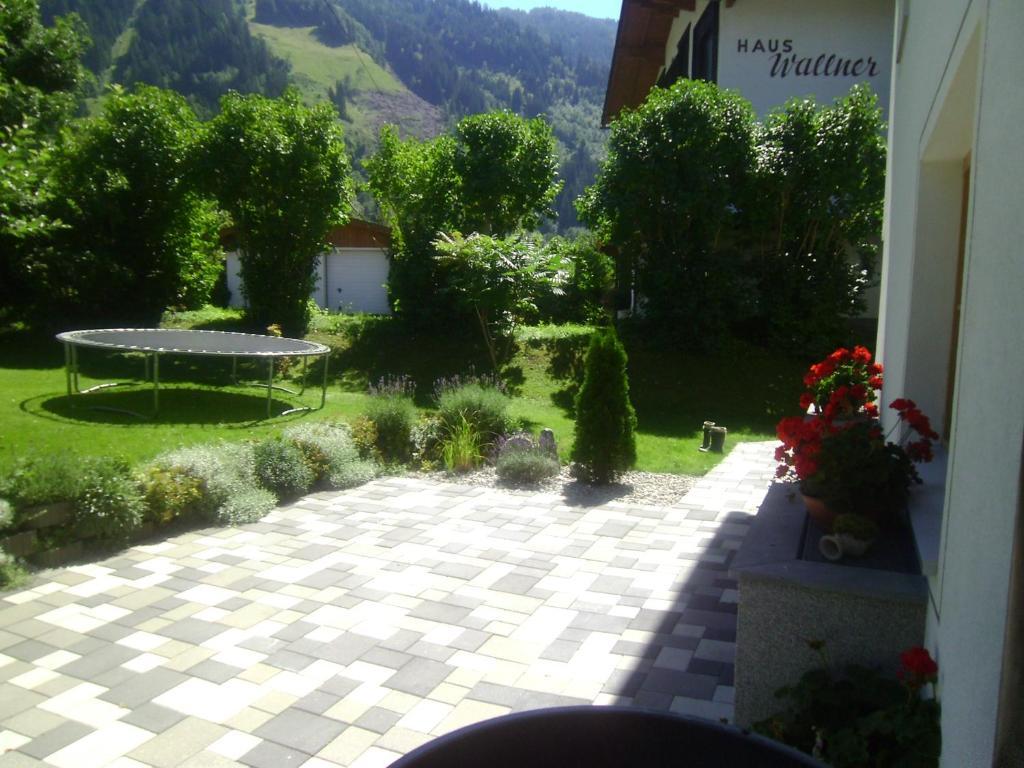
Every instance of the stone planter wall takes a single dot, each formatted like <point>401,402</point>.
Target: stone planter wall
<point>865,615</point>
<point>29,540</point>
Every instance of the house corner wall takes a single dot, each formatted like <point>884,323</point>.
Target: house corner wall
<point>967,628</point>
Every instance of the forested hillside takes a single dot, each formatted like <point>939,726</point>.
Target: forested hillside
<point>418,63</point>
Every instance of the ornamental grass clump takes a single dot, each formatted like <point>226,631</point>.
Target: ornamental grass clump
<point>605,420</point>
<point>481,400</point>
<point>841,454</point>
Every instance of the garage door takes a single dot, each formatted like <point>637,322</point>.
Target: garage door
<point>357,280</point>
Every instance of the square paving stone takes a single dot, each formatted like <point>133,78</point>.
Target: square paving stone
<point>419,677</point>
<point>300,730</point>
<point>270,755</point>
<point>378,719</point>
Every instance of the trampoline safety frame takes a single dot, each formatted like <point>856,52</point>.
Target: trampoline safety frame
<point>72,340</point>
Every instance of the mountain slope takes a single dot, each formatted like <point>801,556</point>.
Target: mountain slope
<point>418,63</point>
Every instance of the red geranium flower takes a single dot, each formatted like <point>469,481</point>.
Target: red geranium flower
<point>918,667</point>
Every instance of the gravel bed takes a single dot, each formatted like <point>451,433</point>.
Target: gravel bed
<point>633,487</point>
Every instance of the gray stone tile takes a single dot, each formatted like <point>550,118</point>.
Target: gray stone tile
<point>191,631</point>
<point>214,671</point>
<point>419,677</point>
<point>270,755</point>
<point>440,612</point>
<point>490,693</point>
<point>300,730</point>
<point>49,742</point>
<point>378,719</point>
<point>386,658</point>
<point>153,717</point>
<point>144,687</point>
<point>99,661</point>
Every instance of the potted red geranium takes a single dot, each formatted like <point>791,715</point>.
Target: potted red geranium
<point>839,453</point>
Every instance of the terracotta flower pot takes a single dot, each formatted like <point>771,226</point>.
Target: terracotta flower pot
<point>819,511</point>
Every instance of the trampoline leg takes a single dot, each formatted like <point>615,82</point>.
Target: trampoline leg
<point>74,368</point>
<point>67,372</point>
<point>234,369</point>
<point>270,384</point>
<point>156,384</point>
<point>323,386</point>
<point>305,362</point>
<point>145,368</point>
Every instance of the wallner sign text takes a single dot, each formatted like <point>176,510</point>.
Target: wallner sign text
<point>785,61</point>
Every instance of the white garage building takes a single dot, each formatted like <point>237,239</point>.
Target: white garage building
<point>351,277</point>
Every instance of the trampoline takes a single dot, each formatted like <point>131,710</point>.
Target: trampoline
<point>154,342</point>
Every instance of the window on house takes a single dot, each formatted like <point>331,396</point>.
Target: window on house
<point>705,45</point>
<point>680,66</point>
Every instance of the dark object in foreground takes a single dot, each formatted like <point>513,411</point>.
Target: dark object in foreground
<point>602,737</point>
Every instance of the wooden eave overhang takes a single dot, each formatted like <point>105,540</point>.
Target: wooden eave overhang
<point>357,233</point>
<point>639,54</point>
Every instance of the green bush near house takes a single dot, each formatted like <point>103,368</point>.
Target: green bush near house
<point>605,420</point>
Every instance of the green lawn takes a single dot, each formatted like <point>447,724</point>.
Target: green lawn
<point>747,391</point>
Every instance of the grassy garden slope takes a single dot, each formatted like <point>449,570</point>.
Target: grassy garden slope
<point>745,390</point>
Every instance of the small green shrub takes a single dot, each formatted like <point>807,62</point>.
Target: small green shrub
<point>281,467</point>
<point>110,504</point>
<point>526,466</point>
<point>605,421</point>
<point>393,416</point>
<point>248,505</point>
<point>223,470</point>
<point>364,435</point>
<point>43,479</point>
<point>170,493</point>
<point>6,514</point>
<point>12,572</point>
<point>330,451</point>
<point>460,449</point>
<point>427,437</point>
<point>482,405</point>
<point>352,473</point>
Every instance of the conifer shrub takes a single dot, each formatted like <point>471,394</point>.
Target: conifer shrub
<point>605,420</point>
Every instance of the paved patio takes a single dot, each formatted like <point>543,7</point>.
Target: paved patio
<point>351,627</point>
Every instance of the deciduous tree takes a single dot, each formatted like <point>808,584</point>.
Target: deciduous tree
<point>138,236</point>
<point>280,170</point>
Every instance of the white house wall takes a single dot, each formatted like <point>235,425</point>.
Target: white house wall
<point>772,52</point>
<point>957,59</point>
<point>350,280</point>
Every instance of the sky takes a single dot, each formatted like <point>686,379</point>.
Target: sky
<point>602,9</point>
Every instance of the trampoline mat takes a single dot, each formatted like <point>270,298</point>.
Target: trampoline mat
<point>192,342</point>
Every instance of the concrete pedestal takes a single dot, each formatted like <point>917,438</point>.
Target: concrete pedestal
<point>866,612</point>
